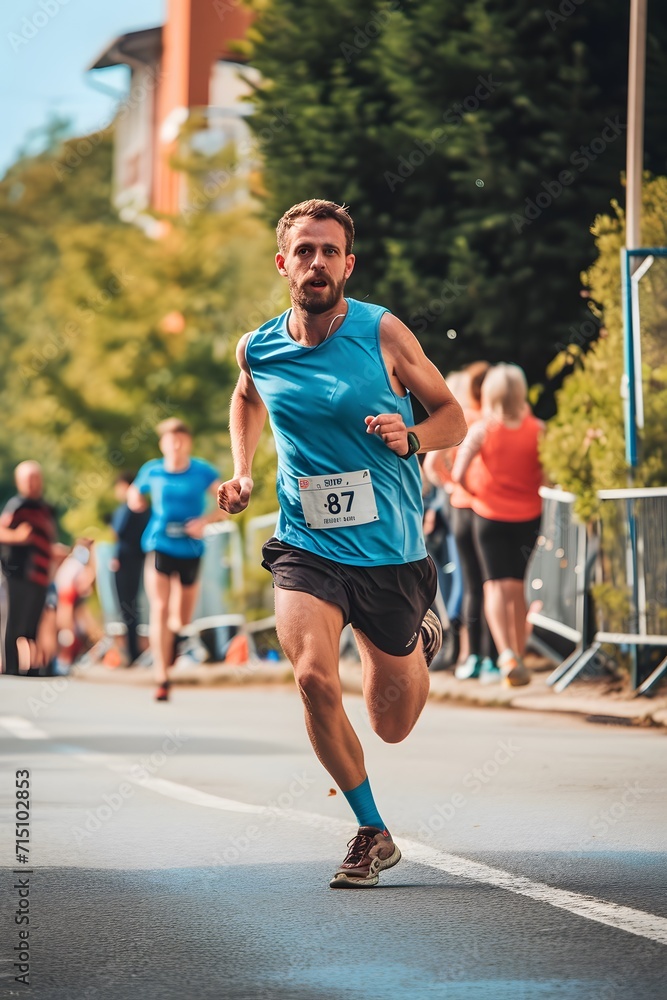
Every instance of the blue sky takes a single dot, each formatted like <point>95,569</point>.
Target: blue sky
<point>46,74</point>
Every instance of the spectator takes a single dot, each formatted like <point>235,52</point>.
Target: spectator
<point>498,463</point>
<point>74,581</point>
<point>177,486</point>
<point>9,536</point>
<point>26,564</point>
<point>127,564</point>
<point>480,660</point>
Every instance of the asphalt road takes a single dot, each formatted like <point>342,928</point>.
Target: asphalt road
<point>184,851</point>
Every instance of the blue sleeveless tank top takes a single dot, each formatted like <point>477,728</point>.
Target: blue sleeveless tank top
<point>317,399</point>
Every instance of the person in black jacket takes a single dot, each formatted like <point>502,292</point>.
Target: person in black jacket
<point>128,562</point>
<point>26,562</point>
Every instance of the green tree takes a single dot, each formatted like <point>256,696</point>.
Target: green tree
<point>107,331</point>
<point>584,449</point>
<point>447,128</point>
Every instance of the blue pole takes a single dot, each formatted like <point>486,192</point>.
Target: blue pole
<point>630,404</point>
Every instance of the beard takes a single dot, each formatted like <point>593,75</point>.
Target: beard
<point>316,302</point>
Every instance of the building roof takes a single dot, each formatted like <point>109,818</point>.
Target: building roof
<point>134,47</point>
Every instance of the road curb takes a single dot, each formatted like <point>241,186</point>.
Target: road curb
<point>537,697</point>
<point>596,703</point>
<point>202,675</point>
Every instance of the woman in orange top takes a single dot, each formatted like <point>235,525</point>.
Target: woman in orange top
<point>498,463</point>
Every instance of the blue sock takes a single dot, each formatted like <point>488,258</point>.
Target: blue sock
<point>362,802</point>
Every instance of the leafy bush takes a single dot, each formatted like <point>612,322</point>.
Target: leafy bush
<point>583,449</point>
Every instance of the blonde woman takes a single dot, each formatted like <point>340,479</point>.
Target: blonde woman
<point>499,465</point>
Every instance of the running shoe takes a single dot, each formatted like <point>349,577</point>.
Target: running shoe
<point>369,853</point>
<point>489,672</point>
<point>515,673</point>
<point>469,670</point>
<point>431,635</point>
<point>162,691</point>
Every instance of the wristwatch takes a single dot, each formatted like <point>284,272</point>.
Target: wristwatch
<point>413,445</point>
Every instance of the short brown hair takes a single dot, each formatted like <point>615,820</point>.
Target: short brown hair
<point>315,208</point>
<point>172,425</point>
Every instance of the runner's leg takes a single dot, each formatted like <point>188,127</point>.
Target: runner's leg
<point>188,602</point>
<point>309,633</point>
<point>159,635</point>
<point>395,688</point>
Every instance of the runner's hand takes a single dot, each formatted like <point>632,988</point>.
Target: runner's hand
<point>194,528</point>
<point>234,495</point>
<point>391,428</point>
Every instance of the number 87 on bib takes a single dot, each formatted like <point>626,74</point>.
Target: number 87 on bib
<point>338,500</point>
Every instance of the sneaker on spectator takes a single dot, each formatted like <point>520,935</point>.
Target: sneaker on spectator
<point>517,674</point>
<point>489,672</point>
<point>470,669</point>
<point>514,672</point>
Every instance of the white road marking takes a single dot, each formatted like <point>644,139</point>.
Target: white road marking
<point>22,728</point>
<point>624,918</point>
<point>193,796</point>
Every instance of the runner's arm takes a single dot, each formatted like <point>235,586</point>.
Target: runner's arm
<point>247,416</point>
<point>135,500</point>
<point>445,425</point>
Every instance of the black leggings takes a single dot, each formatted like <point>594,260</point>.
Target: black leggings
<point>26,603</point>
<point>472,612</point>
<point>128,581</point>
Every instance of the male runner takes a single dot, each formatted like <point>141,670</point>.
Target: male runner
<point>173,539</point>
<point>336,375</point>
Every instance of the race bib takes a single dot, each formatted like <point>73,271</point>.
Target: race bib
<point>339,500</point>
<point>174,529</point>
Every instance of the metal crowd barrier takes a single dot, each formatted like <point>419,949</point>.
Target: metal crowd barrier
<point>631,582</point>
<point>619,565</point>
<point>557,578</point>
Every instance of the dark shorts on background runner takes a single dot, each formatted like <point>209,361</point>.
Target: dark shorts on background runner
<point>504,547</point>
<point>386,603</point>
<point>187,569</point>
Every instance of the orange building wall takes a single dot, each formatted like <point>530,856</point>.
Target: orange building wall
<point>197,33</point>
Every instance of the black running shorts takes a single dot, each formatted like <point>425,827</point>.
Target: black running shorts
<point>504,547</point>
<point>187,569</point>
<point>386,603</point>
